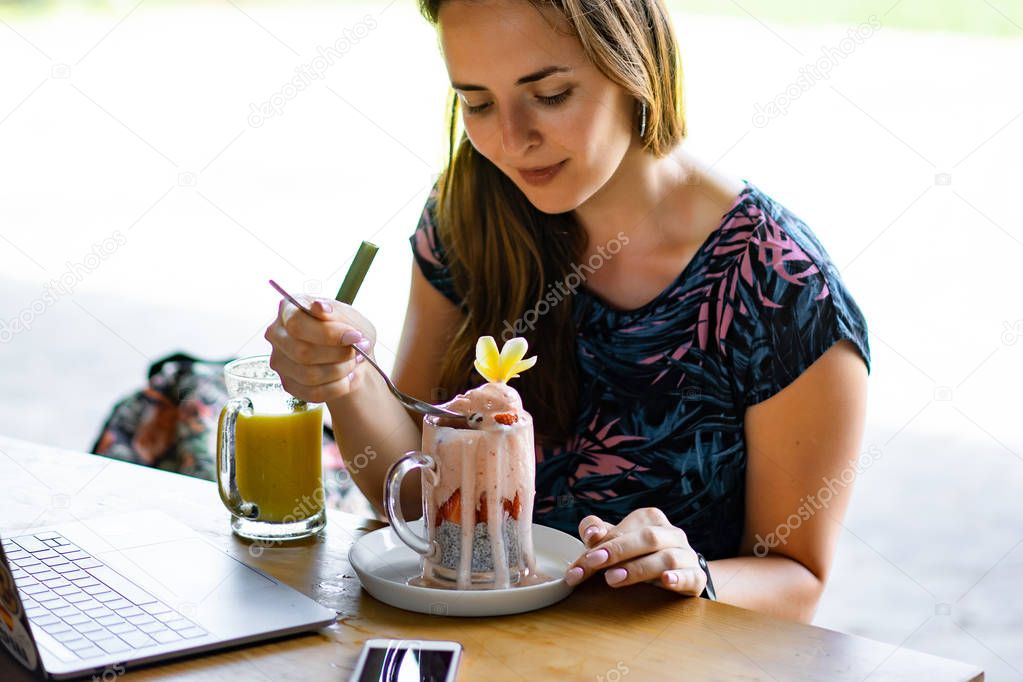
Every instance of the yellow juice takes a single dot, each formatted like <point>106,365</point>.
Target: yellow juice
<point>278,458</point>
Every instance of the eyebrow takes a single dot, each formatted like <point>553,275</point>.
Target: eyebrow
<point>531,78</point>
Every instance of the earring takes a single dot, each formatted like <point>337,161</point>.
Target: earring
<point>642,119</point>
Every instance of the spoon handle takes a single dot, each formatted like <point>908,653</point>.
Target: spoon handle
<point>291,299</point>
<point>407,400</point>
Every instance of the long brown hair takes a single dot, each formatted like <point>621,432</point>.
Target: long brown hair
<point>504,254</point>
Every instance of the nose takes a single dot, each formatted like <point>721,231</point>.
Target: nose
<point>517,133</point>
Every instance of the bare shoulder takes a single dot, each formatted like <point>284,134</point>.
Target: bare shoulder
<point>707,188</point>
<point>703,196</point>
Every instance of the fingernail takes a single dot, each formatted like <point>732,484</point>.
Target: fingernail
<point>351,336</point>
<point>670,577</point>
<point>359,358</point>
<point>596,558</point>
<point>615,576</point>
<point>325,307</point>
<point>574,575</point>
<point>591,532</point>
<point>364,344</point>
<point>351,377</point>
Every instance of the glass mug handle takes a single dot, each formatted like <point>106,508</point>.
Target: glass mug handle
<point>226,468</point>
<point>412,460</point>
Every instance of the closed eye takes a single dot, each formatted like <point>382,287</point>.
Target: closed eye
<point>556,99</point>
<point>551,101</point>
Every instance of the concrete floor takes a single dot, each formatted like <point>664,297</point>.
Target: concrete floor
<point>904,161</point>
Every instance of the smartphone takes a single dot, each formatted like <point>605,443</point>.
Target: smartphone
<point>407,660</point>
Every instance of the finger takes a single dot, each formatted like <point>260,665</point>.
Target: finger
<point>650,567</point>
<point>575,575</point>
<point>640,518</point>
<point>630,545</point>
<point>624,547</point>
<point>689,581</point>
<point>323,393</point>
<point>312,375</point>
<point>306,353</point>
<point>592,530</point>
<point>320,308</point>
<point>588,521</point>
<point>331,330</point>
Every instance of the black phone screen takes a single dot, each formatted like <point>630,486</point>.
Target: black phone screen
<point>406,665</point>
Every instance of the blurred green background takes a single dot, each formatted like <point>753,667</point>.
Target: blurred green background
<point>986,17</point>
<point>997,17</point>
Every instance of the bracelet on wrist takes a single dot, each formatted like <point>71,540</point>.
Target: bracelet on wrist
<point>708,591</point>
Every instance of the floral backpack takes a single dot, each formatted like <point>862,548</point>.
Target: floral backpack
<point>171,424</point>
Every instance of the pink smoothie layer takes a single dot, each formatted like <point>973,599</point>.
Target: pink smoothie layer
<point>485,474</point>
<point>486,404</point>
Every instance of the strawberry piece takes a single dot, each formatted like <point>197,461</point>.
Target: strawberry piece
<point>452,509</point>
<point>506,418</point>
<point>513,508</point>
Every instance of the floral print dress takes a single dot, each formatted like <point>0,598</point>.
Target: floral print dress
<point>664,388</point>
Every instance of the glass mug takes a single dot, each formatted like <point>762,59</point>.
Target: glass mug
<point>269,449</point>
<point>477,492</point>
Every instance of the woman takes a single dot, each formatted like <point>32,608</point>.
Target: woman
<point>702,370</point>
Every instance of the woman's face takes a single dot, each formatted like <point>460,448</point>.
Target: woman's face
<point>520,114</point>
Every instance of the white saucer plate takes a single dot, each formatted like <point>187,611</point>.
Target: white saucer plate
<point>384,565</point>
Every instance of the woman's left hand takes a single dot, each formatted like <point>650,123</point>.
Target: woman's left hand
<point>644,547</point>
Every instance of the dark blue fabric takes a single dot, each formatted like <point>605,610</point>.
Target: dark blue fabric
<point>664,388</point>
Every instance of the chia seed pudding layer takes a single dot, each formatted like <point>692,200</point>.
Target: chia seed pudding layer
<point>449,537</point>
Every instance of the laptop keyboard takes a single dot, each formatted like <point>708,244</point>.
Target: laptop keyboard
<point>85,605</point>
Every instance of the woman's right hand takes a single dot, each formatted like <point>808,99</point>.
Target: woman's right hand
<point>314,356</point>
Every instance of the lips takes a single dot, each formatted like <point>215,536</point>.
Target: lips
<point>541,175</point>
<point>538,169</point>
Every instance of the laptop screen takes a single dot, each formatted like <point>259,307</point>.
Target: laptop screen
<point>14,631</point>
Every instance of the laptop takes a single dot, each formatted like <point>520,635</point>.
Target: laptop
<point>104,594</point>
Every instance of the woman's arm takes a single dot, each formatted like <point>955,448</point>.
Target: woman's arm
<point>802,446</point>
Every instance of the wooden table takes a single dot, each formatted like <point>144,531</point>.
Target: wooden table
<point>638,633</point>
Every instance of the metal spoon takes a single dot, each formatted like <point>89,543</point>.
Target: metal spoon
<point>450,418</point>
